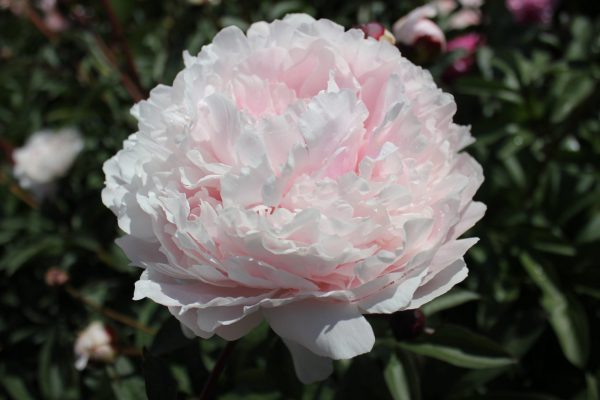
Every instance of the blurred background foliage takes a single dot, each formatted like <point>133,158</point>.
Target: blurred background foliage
<point>522,326</point>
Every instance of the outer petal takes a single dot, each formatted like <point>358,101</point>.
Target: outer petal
<point>440,283</point>
<point>394,297</point>
<point>309,366</point>
<point>334,330</point>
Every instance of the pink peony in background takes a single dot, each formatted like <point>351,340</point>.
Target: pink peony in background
<point>417,26</point>
<point>468,45</point>
<point>300,174</point>
<point>532,11</point>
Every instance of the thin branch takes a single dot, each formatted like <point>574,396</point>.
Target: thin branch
<point>17,191</point>
<point>108,312</point>
<point>132,88</point>
<point>117,30</point>
<point>208,392</point>
<point>38,22</point>
<point>7,150</point>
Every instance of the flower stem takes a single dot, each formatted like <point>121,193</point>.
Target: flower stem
<point>117,31</point>
<point>213,378</point>
<point>35,19</point>
<point>108,312</point>
<point>17,191</point>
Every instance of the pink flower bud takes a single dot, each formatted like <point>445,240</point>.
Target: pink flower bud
<point>469,44</point>
<point>417,27</point>
<point>55,22</point>
<point>532,11</point>
<point>56,277</point>
<point>377,31</point>
<point>94,343</point>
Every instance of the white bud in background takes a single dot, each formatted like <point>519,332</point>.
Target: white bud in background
<point>94,343</point>
<point>45,157</point>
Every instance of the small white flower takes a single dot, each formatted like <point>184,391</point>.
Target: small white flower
<point>46,156</point>
<point>93,343</point>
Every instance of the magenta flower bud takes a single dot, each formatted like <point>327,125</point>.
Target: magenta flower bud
<point>532,11</point>
<point>407,324</point>
<point>469,44</point>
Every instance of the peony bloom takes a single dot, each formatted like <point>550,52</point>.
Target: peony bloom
<point>46,156</point>
<point>416,28</point>
<point>94,343</point>
<point>468,44</point>
<point>532,11</point>
<point>299,174</point>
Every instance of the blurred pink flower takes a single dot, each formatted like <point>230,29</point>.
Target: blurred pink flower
<point>468,44</point>
<point>444,7</point>
<point>17,7</point>
<point>418,27</point>
<point>464,18</point>
<point>471,3</point>
<point>532,11</point>
<point>94,343</point>
<point>56,277</point>
<point>53,19</point>
<point>300,174</point>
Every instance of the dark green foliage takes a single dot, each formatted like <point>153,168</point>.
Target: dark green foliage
<point>522,326</point>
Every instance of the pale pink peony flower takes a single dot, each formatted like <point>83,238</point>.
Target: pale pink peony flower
<point>532,11</point>
<point>300,174</point>
<point>45,157</point>
<point>418,27</point>
<point>94,343</point>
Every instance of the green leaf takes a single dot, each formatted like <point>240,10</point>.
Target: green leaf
<point>570,90</point>
<point>160,384</point>
<point>453,298</point>
<point>565,313</point>
<point>512,396</point>
<point>49,377</point>
<point>17,257</point>
<point>280,9</point>
<point>592,387</point>
<point>461,347</point>
<point>401,378</point>
<point>15,387</point>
